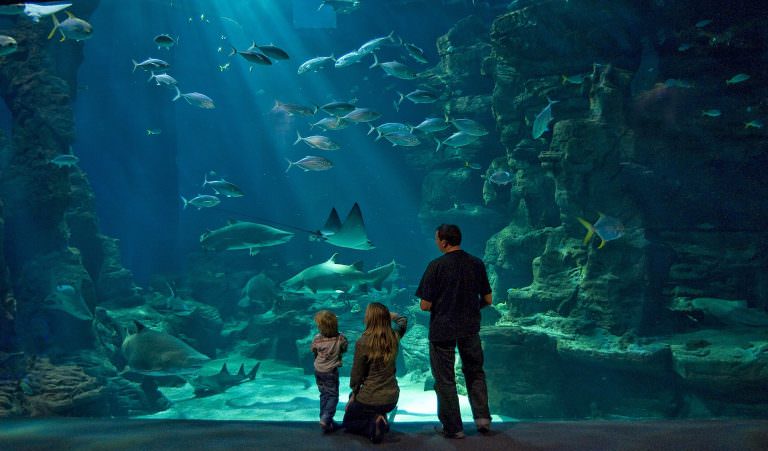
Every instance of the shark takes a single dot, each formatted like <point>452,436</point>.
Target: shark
<point>331,278</point>
<point>350,234</point>
<point>155,353</point>
<point>244,235</point>
<point>221,381</point>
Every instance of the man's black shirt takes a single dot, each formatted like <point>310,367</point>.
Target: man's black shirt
<point>455,284</point>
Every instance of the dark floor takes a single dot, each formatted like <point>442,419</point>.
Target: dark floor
<point>124,435</point>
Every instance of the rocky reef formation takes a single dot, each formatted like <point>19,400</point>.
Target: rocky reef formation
<point>668,319</point>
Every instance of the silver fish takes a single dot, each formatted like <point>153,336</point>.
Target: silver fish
<point>272,51</point>
<point>150,64</point>
<point>311,163</point>
<point>201,201</point>
<point>294,109</point>
<point>541,123</point>
<point>362,115</point>
<point>317,141</point>
<point>65,160</point>
<point>165,41</point>
<point>469,127</point>
<point>375,43</point>
<point>416,53</point>
<point>162,79</point>
<point>418,96</point>
<point>339,108</point>
<point>432,125</point>
<point>349,59</point>
<point>458,139</point>
<point>331,123</point>
<point>252,55</point>
<point>395,69</point>
<point>404,139</point>
<point>196,99</point>
<point>72,28</point>
<point>389,127</point>
<point>316,64</point>
<point>500,177</point>
<point>222,187</point>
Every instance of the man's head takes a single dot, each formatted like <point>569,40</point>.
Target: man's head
<point>446,236</point>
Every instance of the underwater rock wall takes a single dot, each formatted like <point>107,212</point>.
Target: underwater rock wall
<point>580,327</point>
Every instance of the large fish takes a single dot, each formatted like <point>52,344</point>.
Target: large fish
<point>331,278</point>
<point>221,381</point>
<point>351,234</point>
<point>196,99</point>
<point>244,235</point>
<point>36,12</point>
<point>607,228</point>
<point>395,69</point>
<point>72,27</point>
<point>316,64</point>
<point>157,353</point>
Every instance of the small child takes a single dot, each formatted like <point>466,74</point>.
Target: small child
<point>328,346</point>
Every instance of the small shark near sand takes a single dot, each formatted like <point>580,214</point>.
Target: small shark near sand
<point>331,278</point>
<point>155,353</point>
<point>221,381</point>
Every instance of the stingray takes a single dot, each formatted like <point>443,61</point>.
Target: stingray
<point>155,353</point>
<point>351,234</point>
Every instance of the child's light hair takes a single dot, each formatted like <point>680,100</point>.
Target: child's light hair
<point>327,323</point>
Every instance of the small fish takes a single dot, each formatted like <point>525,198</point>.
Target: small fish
<point>395,69</point>
<point>432,125</point>
<point>703,23</point>
<point>541,123</point>
<point>738,78</point>
<point>293,109</point>
<point>458,139</point>
<point>339,108</point>
<point>316,64</point>
<point>416,53</point>
<point>469,127</point>
<point>684,47</point>
<point>755,123</point>
<point>349,59</point>
<point>675,83</point>
<point>500,177</point>
<point>311,163</point>
<point>272,51</point>
<point>362,115</point>
<point>201,201</point>
<point>222,187</point>
<point>470,165</point>
<point>196,99</point>
<point>341,6</point>
<point>252,56</point>
<point>404,139</point>
<point>317,141</point>
<point>8,45</point>
<point>150,64</point>
<point>418,96</point>
<point>162,79</point>
<point>389,127</point>
<point>331,123</point>
<point>711,113</point>
<point>65,160</point>
<point>574,79</point>
<point>153,131</point>
<point>72,28</point>
<point>606,228</point>
<point>165,41</point>
<point>224,67</point>
<point>375,43</point>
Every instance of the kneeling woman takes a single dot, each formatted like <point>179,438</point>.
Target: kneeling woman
<point>374,387</point>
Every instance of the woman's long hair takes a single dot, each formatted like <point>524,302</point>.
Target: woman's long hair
<point>378,329</point>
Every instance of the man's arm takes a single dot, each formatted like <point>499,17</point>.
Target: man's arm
<point>487,300</point>
<point>425,305</point>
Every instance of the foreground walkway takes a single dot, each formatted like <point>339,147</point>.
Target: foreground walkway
<point>125,435</point>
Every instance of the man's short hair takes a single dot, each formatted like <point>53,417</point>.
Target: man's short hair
<point>450,233</point>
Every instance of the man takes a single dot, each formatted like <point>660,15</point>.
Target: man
<point>453,289</point>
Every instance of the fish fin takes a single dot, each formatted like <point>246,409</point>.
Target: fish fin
<point>437,149</point>
<point>333,223</point>
<point>298,139</point>
<point>253,251</point>
<point>602,243</point>
<point>186,202</point>
<point>396,105</point>
<point>70,15</point>
<point>371,129</point>
<point>401,98</point>
<point>234,51</point>
<point>358,265</point>
<point>290,165</point>
<point>252,374</point>
<point>139,327</point>
<point>224,369</point>
<point>55,26</point>
<point>590,229</point>
<point>333,258</point>
<point>375,62</point>
<point>178,94</point>
<point>241,371</point>
<point>135,65</point>
<point>151,76</point>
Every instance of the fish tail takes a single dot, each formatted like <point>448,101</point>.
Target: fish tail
<point>298,139</point>
<point>290,165</point>
<point>186,202</point>
<point>55,26</point>
<point>437,149</point>
<point>135,65</point>
<point>391,35</point>
<point>396,105</point>
<point>378,135</point>
<point>602,243</point>
<point>205,180</point>
<point>151,76</point>
<point>371,129</point>
<point>178,94</point>
<point>590,229</point>
<point>402,96</point>
<point>234,50</point>
<point>375,62</point>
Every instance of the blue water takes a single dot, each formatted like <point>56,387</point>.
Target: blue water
<point>138,178</point>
